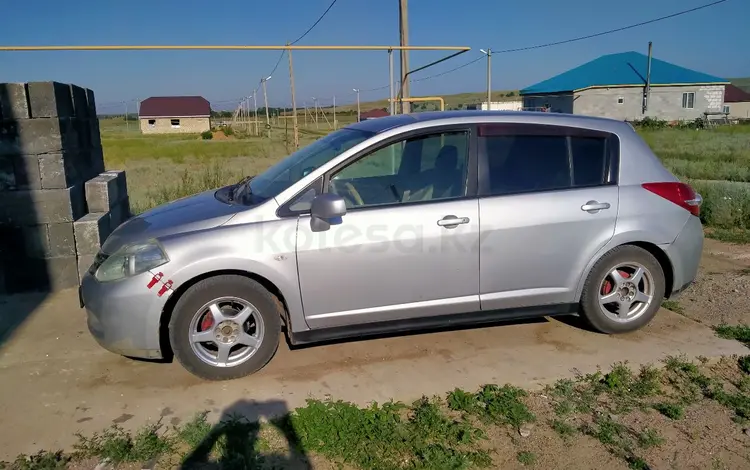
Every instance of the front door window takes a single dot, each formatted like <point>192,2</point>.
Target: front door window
<point>424,168</point>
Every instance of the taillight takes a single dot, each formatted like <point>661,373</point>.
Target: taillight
<point>679,193</point>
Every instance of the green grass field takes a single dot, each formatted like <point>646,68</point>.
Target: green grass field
<point>166,167</point>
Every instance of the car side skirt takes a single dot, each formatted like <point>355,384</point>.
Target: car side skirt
<point>441,322</point>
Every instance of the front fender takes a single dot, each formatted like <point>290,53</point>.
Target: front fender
<point>237,248</point>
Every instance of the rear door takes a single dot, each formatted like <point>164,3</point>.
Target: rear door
<point>548,202</point>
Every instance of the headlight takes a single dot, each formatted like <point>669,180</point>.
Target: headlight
<point>131,260</point>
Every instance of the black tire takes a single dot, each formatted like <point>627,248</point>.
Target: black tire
<point>590,309</point>
<point>268,306</point>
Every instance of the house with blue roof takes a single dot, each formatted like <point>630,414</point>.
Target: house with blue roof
<point>614,86</point>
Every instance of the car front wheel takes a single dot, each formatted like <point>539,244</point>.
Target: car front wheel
<point>623,291</point>
<point>225,327</point>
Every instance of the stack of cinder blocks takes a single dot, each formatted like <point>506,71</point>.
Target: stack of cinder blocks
<point>50,153</point>
<point>108,207</point>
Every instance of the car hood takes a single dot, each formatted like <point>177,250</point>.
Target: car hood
<point>199,212</point>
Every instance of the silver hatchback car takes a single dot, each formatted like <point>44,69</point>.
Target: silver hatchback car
<point>396,224</point>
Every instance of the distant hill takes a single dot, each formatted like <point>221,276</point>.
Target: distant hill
<point>743,83</point>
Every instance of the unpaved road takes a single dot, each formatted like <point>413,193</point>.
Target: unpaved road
<point>55,380</point>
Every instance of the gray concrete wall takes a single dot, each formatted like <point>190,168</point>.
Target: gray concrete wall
<point>562,103</point>
<point>50,152</point>
<point>188,125</point>
<point>665,102</point>
<point>739,110</point>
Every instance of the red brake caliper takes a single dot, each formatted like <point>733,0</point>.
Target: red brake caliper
<point>207,322</point>
<point>607,287</point>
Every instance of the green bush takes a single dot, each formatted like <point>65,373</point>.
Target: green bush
<point>227,130</point>
<point>207,135</point>
<point>725,204</point>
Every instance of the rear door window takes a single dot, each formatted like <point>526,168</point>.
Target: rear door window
<point>532,158</point>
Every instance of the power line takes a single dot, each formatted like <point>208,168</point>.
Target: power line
<point>580,38</point>
<point>316,22</point>
<point>617,30</point>
<point>281,56</point>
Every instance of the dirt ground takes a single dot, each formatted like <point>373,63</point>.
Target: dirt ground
<point>55,381</point>
<point>719,294</point>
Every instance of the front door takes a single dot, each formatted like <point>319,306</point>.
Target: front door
<point>409,243</point>
<point>548,204</point>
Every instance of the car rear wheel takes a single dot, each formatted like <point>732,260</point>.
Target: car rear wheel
<point>623,291</point>
<point>225,327</point>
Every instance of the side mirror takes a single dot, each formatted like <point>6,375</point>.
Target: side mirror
<point>326,210</point>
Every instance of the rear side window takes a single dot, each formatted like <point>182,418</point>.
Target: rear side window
<point>530,158</point>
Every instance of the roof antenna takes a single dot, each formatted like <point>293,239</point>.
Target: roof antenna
<point>647,91</point>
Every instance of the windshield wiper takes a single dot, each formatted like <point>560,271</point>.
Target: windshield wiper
<point>235,189</point>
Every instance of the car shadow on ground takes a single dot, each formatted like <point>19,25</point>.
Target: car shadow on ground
<point>239,440</point>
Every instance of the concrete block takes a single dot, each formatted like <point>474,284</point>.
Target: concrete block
<point>14,103</point>
<point>28,175</point>
<point>83,133</point>
<point>95,132</point>
<point>101,192</point>
<point>7,174</point>
<point>84,263</point>
<point>42,206</point>
<point>91,102</point>
<point>61,239</point>
<point>80,102</point>
<point>97,159</point>
<point>37,136</point>
<point>44,274</point>
<point>19,172</point>
<point>35,239</point>
<point>50,99</point>
<point>122,182</point>
<point>61,170</point>
<point>119,213</point>
<point>90,232</point>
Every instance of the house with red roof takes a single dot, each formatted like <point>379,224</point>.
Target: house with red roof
<point>736,102</point>
<point>174,115</point>
<point>373,114</point>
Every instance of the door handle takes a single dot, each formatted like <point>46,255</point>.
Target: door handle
<point>594,206</point>
<point>451,221</point>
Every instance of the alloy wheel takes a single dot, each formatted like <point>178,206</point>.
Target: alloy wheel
<point>626,292</point>
<point>226,332</point>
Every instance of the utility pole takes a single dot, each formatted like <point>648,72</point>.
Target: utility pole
<point>294,102</point>
<point>315,107</point>
<point>255,119</point>
<point>488,53</point>
<point>335,125</point>
<point>265,100</point>
<point>647,91</point>
<point>127,124</point>
<point>403,22</point>
<point>358,113</point>
<point>392,107</point>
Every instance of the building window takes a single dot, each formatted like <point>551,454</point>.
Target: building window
<point>175,123</point>
<point>152,123</point>
<point>688,100</point>
<point>726,109</point>
<point>620,100</point>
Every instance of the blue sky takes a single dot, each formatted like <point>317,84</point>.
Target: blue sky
<point>714,40</point>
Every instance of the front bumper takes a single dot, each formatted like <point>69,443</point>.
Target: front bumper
<point>124,316</point>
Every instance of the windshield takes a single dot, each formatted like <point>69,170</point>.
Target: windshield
<point>291,169</point>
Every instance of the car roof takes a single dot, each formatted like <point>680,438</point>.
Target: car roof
<point>383,124</point>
